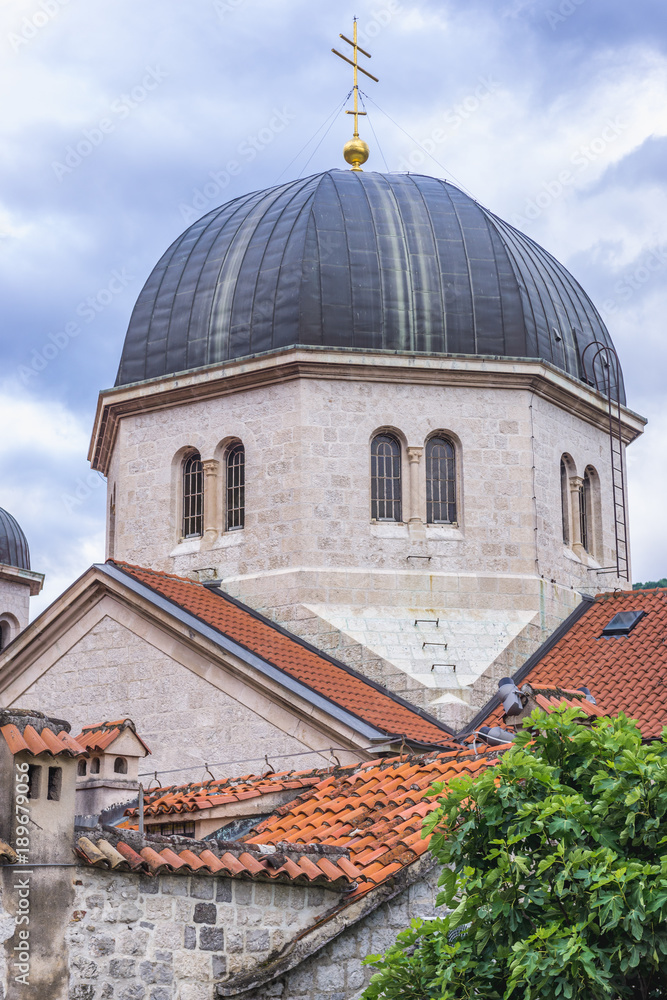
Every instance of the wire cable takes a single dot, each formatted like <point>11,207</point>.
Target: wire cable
<point>370,122</point>
<point>250,760</point>
<point>333,119</point>
<point>417,143</point>
<point>306,144</point>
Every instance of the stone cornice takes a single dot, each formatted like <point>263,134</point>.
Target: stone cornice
<point>365,366</point>
<point>12,574</point>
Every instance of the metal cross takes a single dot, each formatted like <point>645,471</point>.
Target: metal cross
<point>357,69</point>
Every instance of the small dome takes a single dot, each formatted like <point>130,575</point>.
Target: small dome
<point>357,260</point>
<point>14,549</point>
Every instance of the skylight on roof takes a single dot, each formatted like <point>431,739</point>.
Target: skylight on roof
<point>622,623</point>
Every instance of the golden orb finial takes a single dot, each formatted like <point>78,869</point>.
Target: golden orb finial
<point>356,151</point>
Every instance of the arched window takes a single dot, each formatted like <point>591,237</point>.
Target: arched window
<point>120,765</point>
<point>95,765</point>
<point>5,634</point>
<point>193,496</point>
<point>440,481</point>
<point>235,487</point>
<point>565,501</point>
<point>81,768</point>
<point>385,478</point>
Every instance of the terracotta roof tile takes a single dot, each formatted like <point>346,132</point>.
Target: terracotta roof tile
<point>46,742</point>
<point>381,835</point>
<point>626,673</point>
<point>285,864</point>
<point>204,795</point>
<point>328,677</point>
<point>102,735</point>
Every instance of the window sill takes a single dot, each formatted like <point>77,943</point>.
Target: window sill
<point>389,529</point>
<point>444,532</point>
<point>186,546</point>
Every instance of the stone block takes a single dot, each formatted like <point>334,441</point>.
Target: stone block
<point>121,968</point>
<point>257,940</point>
<point>211,938</point>
<point>155,972</point>
<point>173,885</point>
<point>201,888</point>
<point>190,937</point>
<point>102,946</point>
<point>137,991</point>
<point>205,913</point>
<point>82,992</point>
<point>219,966</point>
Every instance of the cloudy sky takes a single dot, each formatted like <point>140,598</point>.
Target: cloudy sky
<point>119,120</point>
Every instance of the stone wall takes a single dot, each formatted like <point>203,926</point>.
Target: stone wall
<point>336,971</point>
<point>113,673</point>
<point>171,937</point>
<point>309,556</point>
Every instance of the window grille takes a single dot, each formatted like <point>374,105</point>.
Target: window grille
<point>193,496</point>
<point>385,478</point>
<point>565,501</point>
<point>440,481</point>
<point>585,498</point>
<point>235,487</point>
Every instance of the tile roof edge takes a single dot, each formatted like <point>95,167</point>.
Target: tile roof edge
<point>347,913</point>
<point>558,633</point>
<point>356,723</point>
<point>332,659</point>
<point>425,716</point>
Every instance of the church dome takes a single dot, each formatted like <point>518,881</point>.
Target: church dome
<point>357,260</point>
<point>13,543</point>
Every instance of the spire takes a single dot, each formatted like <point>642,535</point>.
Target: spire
<point>356,150</point>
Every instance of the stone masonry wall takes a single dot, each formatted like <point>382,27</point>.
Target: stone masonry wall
<point>113,673</point>
<point>171,937</point>
<point>337,972</point>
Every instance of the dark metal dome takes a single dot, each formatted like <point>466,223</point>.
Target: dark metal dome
<point>14,549</point>
<point>372,261</point>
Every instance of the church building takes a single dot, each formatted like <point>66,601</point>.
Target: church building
<point>365,456</point>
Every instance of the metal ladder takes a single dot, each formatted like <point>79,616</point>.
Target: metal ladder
<point>602,370</point>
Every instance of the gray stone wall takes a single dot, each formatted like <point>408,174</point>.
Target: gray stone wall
<point>113,673</point>
<point>337,972</point>
<point>171,937</point>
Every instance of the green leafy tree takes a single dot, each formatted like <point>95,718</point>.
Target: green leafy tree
<point>554,873</point>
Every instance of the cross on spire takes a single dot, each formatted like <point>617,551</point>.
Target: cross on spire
<point>356,151</point>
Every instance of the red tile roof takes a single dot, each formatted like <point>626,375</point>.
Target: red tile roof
<point>207,794</point>
<point>549,698</point>
<point>285,863</point>
<point>46,742</point>
<point>328,677</point>
<point>375,810</point>
<point>102,735</point>
<point>626,673</point>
